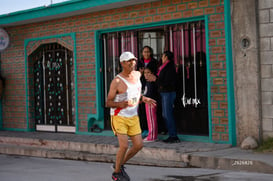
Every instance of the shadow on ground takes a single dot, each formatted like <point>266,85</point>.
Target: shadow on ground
<point>186,178</point>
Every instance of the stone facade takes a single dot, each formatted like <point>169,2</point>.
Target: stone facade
<point>246,69</point>
<point>253,68</point>
<point>266,62</point>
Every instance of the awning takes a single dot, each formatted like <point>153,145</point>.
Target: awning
<point>62,10</point>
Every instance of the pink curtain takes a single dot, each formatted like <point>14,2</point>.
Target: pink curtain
<point>188,45</point>
<point>129,42</point>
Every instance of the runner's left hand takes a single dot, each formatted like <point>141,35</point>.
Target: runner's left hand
<point>148,100</point>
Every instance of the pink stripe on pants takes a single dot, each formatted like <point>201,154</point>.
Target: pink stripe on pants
<point>152,121</point>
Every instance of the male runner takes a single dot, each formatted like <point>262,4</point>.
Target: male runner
<point>123,99</point>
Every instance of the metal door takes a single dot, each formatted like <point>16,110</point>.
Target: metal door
<point>187,41</point>
<point>52,88</point>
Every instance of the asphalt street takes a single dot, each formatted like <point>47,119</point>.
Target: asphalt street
<point>18,168</point>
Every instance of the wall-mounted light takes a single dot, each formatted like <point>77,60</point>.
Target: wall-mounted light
<point>245,43</point>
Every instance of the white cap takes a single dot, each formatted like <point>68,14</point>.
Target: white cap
<point>125,56</point>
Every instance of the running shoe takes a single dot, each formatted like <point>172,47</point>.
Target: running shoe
<point>174,139</point>
<point>145,140</point>
<point>122,170</point>
<point>118,177</point>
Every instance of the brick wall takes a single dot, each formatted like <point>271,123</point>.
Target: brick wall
<point>85,25</point>
<point>266,46</point>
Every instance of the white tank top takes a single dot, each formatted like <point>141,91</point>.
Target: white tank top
<point>132,94</point>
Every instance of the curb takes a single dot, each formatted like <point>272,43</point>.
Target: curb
<point>149,156</point>
<point>230,164</point>
<point>83,156</point>
<point>87,151</point>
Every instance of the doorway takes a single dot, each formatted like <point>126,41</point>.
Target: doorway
<point>52,68</point>
<point>188,43</point>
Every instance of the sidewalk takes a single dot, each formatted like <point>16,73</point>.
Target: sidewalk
<point>103,148</point>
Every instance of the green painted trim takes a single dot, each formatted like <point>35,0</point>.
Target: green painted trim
<point>191,138</point>
<point>26,82</point>
<point>208,77</point>
<point>1,110</point>
<point>194,138</point>
<point>1,115</point>
<point>103,133</point>
<point>230,79</point>
<point>149,25</point>
<point>48,37</point>
<point>73,36</point>
<point>160,137</point>
<point>55,9</point>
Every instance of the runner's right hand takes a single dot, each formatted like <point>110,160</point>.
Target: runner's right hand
<point>123,104</point>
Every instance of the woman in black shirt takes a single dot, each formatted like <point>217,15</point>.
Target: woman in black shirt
<point>166,82</point>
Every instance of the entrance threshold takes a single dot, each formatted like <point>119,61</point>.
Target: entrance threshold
<point>53,128</point>
<point>190,138</point>
<point>50,128</point>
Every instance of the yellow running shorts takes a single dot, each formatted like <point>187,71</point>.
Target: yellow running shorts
<point>125,125</point>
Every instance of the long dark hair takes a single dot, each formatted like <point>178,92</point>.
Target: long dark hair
<point>170,55</point>
<point>150,49</point>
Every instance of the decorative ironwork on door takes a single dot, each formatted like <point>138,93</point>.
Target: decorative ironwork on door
<point>52,88</point>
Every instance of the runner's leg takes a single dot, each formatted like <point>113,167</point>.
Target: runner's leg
<point>123,147</point>
<point>137,146</point>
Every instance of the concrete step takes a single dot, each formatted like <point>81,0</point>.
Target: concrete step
<point>145,153</point>
<point>60,145</point>
<point>233,159</point>
<point>80,155</point>
<point>224,158</point>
